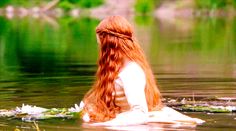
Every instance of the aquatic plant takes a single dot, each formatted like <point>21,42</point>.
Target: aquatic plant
<point>207,108</point>
<point>30,113</point>
<point>212,105</point>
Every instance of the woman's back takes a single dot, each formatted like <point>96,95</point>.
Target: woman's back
<point>130,88</point>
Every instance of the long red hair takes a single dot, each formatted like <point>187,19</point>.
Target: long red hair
<point>117,44</point>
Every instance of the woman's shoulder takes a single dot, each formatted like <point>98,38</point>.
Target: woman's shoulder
<point>132,69</point>
<point>132,66</point>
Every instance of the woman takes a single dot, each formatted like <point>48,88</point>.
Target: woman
<point>125,92</point>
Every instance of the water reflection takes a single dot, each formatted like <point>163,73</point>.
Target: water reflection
<point>200,60</point>
<point>41,62</point>
<point>31,47</point>
<point>53,66</point>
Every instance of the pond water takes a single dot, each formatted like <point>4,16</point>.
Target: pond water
<point>51,63</point>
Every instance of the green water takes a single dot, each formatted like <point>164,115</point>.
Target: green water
<point>52,64</point>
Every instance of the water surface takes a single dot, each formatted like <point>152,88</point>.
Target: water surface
<point>53,65</point>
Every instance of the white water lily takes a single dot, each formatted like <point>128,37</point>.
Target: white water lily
<point>30,109</point>
<point>81,105</point>
<point>75,109</point>
<point>231,108</point>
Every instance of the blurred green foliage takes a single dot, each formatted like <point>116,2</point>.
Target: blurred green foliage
<point>25,3</point>
<point>89,3</point>
<point>143,20</point>
<point>65,4</point>
<point>69,4</point>
<point>234,3</point>
<point>3,3</point>
<point>141,6</point>
<point>145,6</point>
<point>214,4</point>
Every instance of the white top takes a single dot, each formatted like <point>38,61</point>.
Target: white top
<point>132,79</point>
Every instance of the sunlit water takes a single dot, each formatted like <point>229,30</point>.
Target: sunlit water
<point>52,64</point>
